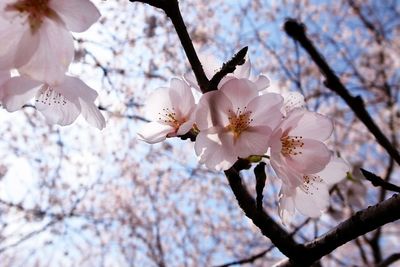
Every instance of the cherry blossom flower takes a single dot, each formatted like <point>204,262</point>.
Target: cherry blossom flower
<point>35,35</point>
<point>211,66</point>
<point>171,111</point>
<point>59,103</point>
<point>235,122</point>
<point>297,146</point>
<point>311,198</point>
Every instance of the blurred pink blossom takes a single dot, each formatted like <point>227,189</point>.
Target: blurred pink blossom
<point>59,103</point>
<point>35,35</point>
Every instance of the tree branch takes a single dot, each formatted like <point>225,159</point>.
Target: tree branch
<point>378,181</point>
<point>228,67</point>
<point>389,260</point>
<point>359,224</point>
<point>297,31</point>
<point>279,237</point>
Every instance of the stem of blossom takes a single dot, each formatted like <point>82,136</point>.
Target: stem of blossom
<point>296,31</point>
<point>171,9</point>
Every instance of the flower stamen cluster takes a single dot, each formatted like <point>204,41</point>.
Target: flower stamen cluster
<point>239,121</point>
<point>37,10</point>
<point>292,145</point>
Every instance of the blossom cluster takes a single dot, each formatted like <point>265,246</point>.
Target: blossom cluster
<point>243,119</point>
<point>38,45</point>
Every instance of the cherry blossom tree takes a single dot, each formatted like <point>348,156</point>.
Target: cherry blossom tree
<point>273,127</point>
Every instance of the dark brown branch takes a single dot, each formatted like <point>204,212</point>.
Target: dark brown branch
<point>228,67</point>
<point>259,172</point>
<point>249,259</point>
<point>171,9</point>
<point>378,181</point>
<point>389,260</point>
<point>279,237</point>
<point>359,224</point>
<point>253,258</point>
<point>297,31</point>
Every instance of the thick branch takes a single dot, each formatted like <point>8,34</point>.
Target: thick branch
<point>389,260</point>
<point>279,237</point>
<point>297,31</point>
<point>359,224</point>
<point>171,9</point>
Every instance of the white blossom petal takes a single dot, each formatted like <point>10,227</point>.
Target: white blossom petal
<point>262,82</point>
<point>213,110</point>
<point>313,126</point>
<point>78,15</point>
<point>53,55</point>
<point>56,108</point>
<point>313,202</point>
<point>154,132</point>
<point>215,149</point>
<point>17,91</point>
<point>240,92</point>
<point>335,171</point>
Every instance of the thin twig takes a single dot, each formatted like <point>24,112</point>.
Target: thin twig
<point>378,181</point>
<point>228,67</point>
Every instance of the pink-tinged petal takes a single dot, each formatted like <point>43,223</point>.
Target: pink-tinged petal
<point>73,88</point>
<point>253,141</point>
<point>335,171</point>
<point>213,110</point>
<point>286,206</point>
<point>293,100</point>
<point>243,71</point>
<point>159,104</point>
<point>154,132</point>
<point>82,96</point>
<point>314,126</point>
<point>27,46</point>
<point>191,80</point>
<point>10,36</point>
<point>186,126</point>
<point>288,175</point>
<point>55,112</point>
<point>54,54</point>
<point>92,114</point>
<point>4,76</point>
<point>215,149</point>
<point>292,120</point>
<point>266,110</point>
<point>240,92</point>
<point>311,158</point>
<point>17,91</point>
<point>181,97</point>
<point>262,82</point>
<point>78,15</point>
<point>313,202</point>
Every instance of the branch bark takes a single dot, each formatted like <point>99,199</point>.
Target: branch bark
<point>296,31</point>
